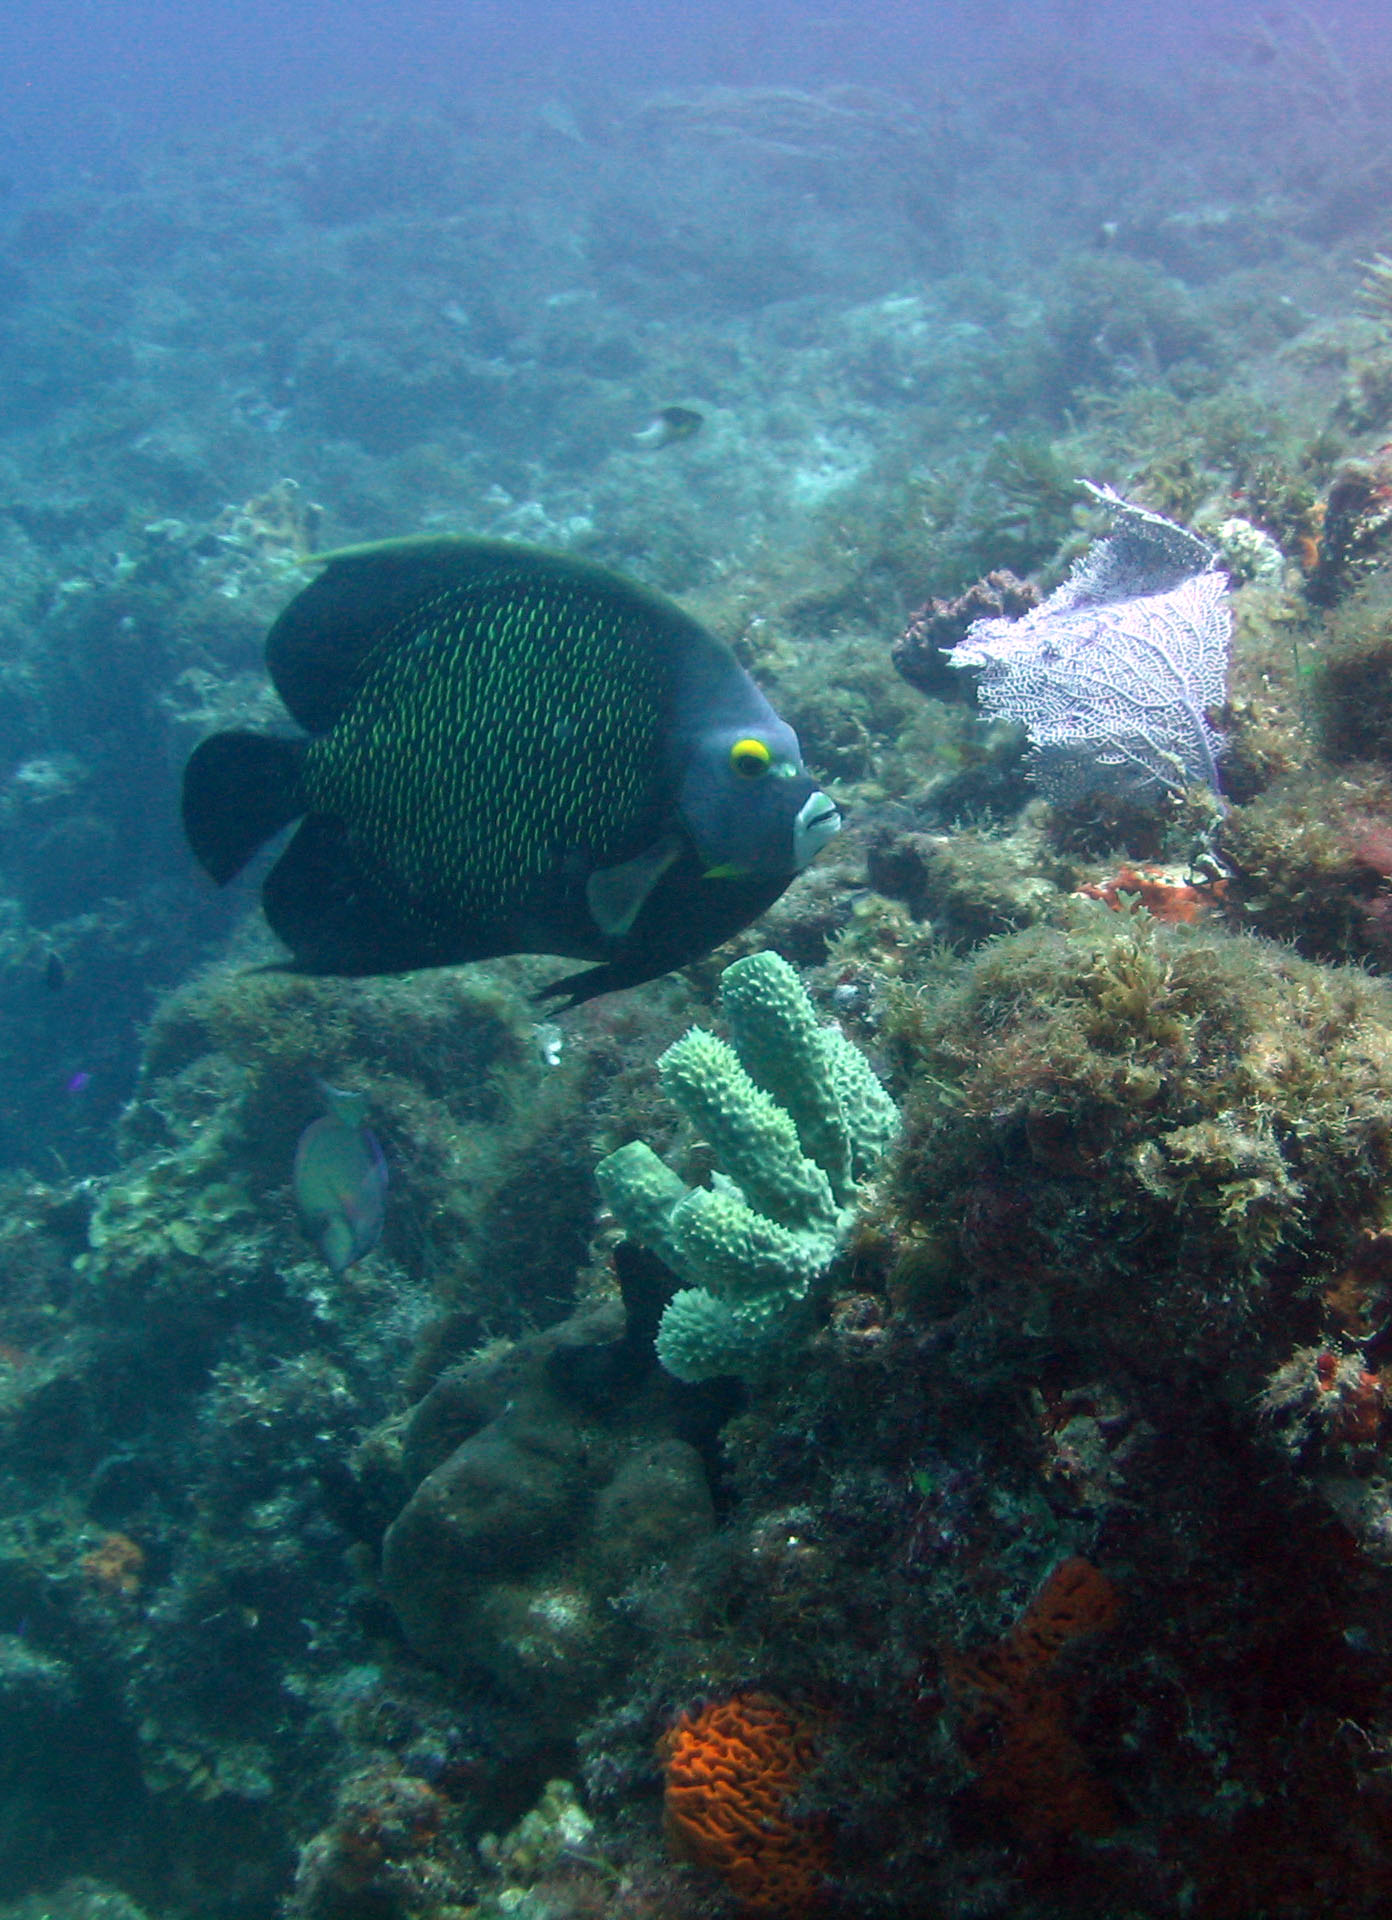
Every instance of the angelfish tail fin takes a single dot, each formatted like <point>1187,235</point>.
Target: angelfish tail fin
<point>239,789</point>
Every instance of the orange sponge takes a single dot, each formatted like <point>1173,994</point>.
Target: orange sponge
<point>1015,1728</point>
<point>732,1766</point>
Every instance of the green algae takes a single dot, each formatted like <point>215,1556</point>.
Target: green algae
<point>1188,1106</point>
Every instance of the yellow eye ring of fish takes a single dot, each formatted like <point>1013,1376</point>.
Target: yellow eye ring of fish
<point>750,758</point>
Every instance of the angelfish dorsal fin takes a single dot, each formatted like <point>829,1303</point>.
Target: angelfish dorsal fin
<point>615,896</point>
<point>320,641</point>
<point>316,649</point>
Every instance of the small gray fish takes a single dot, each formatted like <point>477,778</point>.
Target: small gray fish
<point>340,1182</point>
<point>669,424</point>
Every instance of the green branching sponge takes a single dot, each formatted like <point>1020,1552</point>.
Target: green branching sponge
<point>795,1118</point>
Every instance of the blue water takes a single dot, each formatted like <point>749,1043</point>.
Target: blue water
<point>79,81</point>
<point>279,278</point>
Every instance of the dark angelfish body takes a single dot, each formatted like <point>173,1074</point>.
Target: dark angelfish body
<point>509,751</point>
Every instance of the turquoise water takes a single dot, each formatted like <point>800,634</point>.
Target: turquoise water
<point>810,324</point>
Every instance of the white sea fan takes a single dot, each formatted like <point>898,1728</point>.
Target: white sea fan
<point>1115,675</point>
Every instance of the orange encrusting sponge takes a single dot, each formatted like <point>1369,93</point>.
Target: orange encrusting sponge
<point>732,1767</point>
<point>1015,1727</point>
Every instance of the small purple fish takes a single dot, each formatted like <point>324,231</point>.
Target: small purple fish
<point>340,1182</point>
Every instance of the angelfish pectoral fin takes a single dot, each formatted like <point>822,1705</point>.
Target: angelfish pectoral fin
<point>616,896</point>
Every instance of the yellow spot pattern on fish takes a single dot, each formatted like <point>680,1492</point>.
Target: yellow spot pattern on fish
<point>484,743</point>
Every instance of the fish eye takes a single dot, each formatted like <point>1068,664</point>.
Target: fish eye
<point>749,758</point>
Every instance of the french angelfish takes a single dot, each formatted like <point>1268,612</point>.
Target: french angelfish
<point>507,751</point>
<point>340,1181</point>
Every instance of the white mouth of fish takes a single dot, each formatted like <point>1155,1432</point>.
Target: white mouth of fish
<point>818,820</point>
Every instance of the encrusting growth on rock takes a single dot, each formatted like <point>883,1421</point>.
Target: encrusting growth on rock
<point>731,1769</point>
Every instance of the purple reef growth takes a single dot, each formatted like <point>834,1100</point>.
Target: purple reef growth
<point>1114,676</point>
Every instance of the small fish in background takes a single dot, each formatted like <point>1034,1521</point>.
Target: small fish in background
<point>55,973</point>
<point>670,424</point>
<point>550,1042</point>
<point>340,1181</point>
